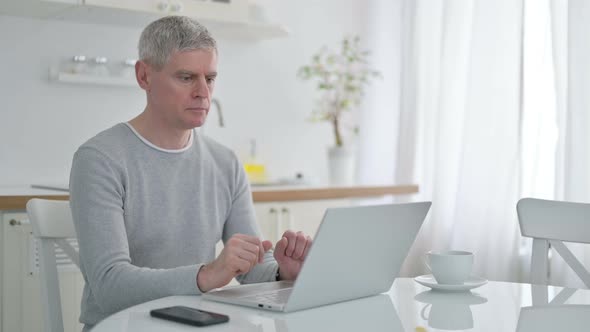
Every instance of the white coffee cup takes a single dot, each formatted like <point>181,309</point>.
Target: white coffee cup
<point>451,267</point>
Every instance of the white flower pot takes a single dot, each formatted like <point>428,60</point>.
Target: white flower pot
<point>341,166</point>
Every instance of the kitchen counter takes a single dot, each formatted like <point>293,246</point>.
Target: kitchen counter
<point>15,198</point>
<point>284,194</point>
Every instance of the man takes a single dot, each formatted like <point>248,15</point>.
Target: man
<point>150,198</point>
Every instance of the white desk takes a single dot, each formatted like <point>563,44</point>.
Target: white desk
<point>494,307</point>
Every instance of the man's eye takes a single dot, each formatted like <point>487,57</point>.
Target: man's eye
<point>210,80</point>
<point>185,78</point>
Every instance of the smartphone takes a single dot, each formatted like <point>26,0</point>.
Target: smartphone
<point>190,316</point>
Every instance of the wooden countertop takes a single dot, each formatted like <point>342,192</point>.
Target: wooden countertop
<point>15,198</point>
<point>318,193</point>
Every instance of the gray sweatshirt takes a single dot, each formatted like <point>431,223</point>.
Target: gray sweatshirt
<point>147,218</point>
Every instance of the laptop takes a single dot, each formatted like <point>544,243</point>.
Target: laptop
<point>357,252</point>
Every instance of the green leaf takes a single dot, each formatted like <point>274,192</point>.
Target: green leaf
<point>340,76</point>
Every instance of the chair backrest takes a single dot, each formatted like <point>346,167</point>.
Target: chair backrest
<point>52,224</point>
<point>551,222</point>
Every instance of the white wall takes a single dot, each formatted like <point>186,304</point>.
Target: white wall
<point>42,122</point>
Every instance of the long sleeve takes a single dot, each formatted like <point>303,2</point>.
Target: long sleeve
<point>147,219</point>
<point>242,219</point>
<point>97,197</point>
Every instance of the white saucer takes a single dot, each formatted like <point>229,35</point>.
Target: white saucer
<point>429,281</point>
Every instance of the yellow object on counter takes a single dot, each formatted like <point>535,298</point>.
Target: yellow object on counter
<point>256,172</point>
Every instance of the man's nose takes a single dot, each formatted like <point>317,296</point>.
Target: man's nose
<point>201,89</point>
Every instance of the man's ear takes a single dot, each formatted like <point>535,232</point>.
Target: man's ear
<point>142,74</point>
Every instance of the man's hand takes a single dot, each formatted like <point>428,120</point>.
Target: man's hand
<point>239,255</point>
<point>290,252</point>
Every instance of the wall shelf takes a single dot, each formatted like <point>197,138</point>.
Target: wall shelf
<point>85,79</point>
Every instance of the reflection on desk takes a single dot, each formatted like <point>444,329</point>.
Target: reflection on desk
<point>554,314</point>
<point>407,307</point>
<point>449,311</point>
<point>375,313</point>
<point>571,317</point>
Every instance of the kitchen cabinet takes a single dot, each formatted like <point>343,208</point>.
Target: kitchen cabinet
<point>21,287</point>
<point>224,18</point>
<point>145,6</point>
<point>35,8</point>
<point>274,218</point>
<point>229,11</point>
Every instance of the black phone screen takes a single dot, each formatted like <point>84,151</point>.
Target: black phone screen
<point>191,316</point>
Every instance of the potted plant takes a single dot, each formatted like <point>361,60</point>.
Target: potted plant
<point>341,77</point>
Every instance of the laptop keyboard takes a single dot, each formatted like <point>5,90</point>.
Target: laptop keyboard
<point>279,296</point>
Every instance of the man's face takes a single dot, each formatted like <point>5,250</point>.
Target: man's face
<point>180,92</point>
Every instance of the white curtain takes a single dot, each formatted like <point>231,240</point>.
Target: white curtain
<point>482,102</point>
<point>571,52</point>
<point>454,114</point>
<point>556,126</point>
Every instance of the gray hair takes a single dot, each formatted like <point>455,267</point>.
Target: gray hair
<point>171,34</point>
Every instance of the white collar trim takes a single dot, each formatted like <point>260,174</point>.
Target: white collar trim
<point>150,144</point>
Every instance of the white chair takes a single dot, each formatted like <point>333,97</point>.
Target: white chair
<point>552,222</point>
<point>52,224</point>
